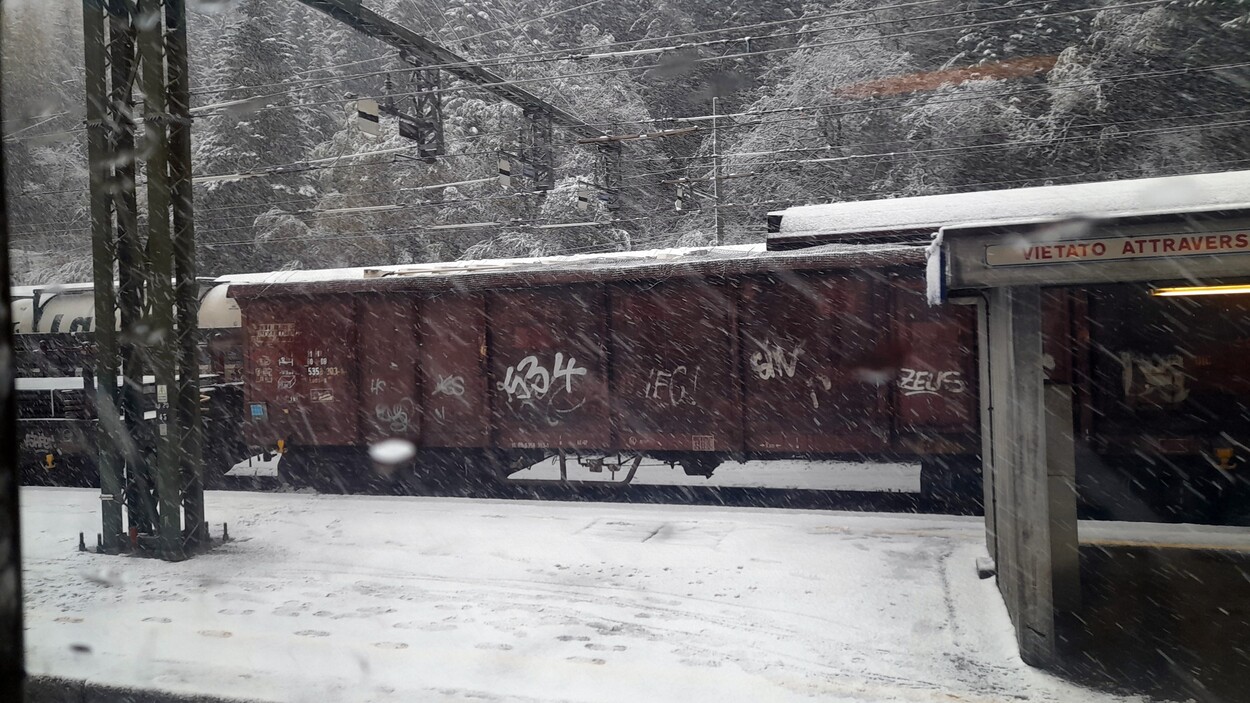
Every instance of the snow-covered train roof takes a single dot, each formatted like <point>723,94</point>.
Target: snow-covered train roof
<point>445,268</point>
<point>554,270</point>
<point>219,311</point>
<point>923,215</point>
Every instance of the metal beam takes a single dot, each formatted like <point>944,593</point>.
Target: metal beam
<point>95,20</point>
<point>368,22</point>
<point>160,281</point>
<point>187,418</point>
<point>141,512</point>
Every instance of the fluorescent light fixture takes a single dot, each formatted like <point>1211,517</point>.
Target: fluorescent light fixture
<point>1201,290</point>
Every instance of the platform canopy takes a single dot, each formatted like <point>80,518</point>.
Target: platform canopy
<point>917,217</point>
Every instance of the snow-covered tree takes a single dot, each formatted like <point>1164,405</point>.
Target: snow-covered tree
<point>253,126</point>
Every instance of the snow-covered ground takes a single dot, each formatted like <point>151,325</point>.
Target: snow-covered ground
<point>324,598</point>
<point>890,477</point>
<point>893,477</point>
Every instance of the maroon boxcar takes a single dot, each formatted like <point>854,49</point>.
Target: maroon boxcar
<point>693,358</point>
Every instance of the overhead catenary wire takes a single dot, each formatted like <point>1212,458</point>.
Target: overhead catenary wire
<point>767,203</point>
<point>531,20</point>
<point>978,135</point>
<point>707,59</point>
<point>563,53</point>
<point>982,147</point>
<point>852,157</point>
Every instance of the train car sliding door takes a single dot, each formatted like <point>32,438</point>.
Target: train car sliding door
<point>937,410</point>
<point>452,329</point>
<point>548,367</point>
<point>936,402</point>
<point>809,348</point>
<point>674,381</point>
<point>388,369</point>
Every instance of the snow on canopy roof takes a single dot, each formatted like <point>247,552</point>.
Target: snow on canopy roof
<point>928,213</point>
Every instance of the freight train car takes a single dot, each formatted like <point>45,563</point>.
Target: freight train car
<point>703,358</point>
<point>1161,385</point>
<point>693,357</point>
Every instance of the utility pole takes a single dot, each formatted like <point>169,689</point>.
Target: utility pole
<point>157,497</point>
<point>716,196</point>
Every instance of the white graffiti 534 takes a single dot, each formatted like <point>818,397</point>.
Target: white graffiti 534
<point>530,379</point>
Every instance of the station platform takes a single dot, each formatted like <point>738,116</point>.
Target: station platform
<point>350,598</point>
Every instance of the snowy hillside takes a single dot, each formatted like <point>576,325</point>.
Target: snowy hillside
<point>818,101</point>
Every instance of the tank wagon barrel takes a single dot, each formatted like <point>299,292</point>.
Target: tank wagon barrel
<point>54,326</point>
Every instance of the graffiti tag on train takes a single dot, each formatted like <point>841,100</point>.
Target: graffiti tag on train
<point>449,385</point>
<point>38,441</point>
<point>398,416</point>
<point>821,381</point>
<point>1152,378</point>
<point>530,384</point>
<point>917,382</point>
<point>679,385</point>
<point>530,379</point>
<point>774,361</point>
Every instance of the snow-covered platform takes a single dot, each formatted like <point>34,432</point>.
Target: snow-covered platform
<point>418,599</point>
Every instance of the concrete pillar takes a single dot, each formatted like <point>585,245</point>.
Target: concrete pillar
<point>1032,466</point>
<point>987,427</point>
<point>1061,482</point>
